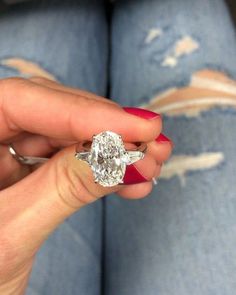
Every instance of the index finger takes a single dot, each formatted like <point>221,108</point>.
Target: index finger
<point>28,106</point>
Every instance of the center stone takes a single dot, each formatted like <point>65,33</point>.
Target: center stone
<point>108,158</point>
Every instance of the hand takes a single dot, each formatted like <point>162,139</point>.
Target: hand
<point>46,118</point>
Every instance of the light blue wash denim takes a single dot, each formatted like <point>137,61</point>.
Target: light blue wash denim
<point>181,239</point>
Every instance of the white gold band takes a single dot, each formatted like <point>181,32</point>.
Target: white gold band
<point>106,156</point>
<point>83,152</point>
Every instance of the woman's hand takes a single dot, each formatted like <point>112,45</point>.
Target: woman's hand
<point>42,118</point>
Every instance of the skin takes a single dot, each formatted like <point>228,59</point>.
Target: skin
<point>44,118</point>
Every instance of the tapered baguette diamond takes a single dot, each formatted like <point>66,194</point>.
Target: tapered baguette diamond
<point>108,158</point>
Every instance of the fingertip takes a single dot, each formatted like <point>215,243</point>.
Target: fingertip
<point>147,125</point>
<point>160,151</point>
<point>146,166</point>
<point>136,191</point>
<point>162,138</point>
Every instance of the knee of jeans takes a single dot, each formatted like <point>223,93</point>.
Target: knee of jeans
<point>207,90</point>
<point>182,47</point>
<point>26,68</point>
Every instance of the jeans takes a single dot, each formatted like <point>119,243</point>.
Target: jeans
<point>181,238</point>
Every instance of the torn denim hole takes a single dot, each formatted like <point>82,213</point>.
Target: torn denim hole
<point>156,32</point>
<point>153,34</point>
<point>157,42</point>
<point>184,46</point>
<point>182,164</point>
<point>26,68</point>
<point>208,89</point>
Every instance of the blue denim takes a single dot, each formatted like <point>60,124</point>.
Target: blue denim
<point>181,239</point>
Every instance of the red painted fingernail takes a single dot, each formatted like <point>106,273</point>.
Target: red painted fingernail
<point>143,113</point>
<point>162,138</point>
<point>133,176</point>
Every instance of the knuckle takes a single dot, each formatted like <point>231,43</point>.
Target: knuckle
<point>69,186</point>
<point>12,84</point>
<point>39,79</point>
<point>13,89</point>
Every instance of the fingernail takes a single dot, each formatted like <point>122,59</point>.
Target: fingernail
<point>162,138</point>
<point>143,113</point>
<point>133,176</point>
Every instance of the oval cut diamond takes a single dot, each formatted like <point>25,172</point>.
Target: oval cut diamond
<point>107,158</point>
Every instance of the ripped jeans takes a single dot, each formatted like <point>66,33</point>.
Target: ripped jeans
<point>174,57</point>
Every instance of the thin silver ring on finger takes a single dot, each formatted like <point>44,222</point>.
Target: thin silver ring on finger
<point>25,160</point>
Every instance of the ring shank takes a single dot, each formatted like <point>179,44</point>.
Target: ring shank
<point>85,146</point>
<point>25,160</point>
<point>82,152</point>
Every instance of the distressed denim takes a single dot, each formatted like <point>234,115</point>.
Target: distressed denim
<point>180,240</point>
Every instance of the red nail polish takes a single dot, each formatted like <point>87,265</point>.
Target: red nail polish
<point>133,176</point>
<point>163,138</point>
<point>146,114</point>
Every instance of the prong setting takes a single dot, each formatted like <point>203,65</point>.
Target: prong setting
<point>108,158</point>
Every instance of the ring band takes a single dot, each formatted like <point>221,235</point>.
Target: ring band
<point>105,154</point>
<point>25,160</point>
<point>83,151</point>
<point>86,146</point>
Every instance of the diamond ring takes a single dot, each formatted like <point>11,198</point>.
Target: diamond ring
<point>107,157</point>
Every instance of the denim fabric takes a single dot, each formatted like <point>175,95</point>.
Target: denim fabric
<point>66,38</point>
<point>69,40</point>
<point>181,238</point>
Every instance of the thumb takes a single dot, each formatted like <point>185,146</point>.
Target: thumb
<point>33,207</point>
